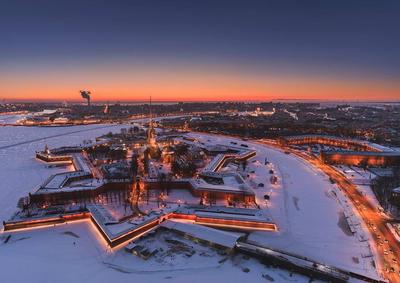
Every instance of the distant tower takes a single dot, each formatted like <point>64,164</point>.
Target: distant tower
<point>46,150</point>
<point>86,95</point>
<point>186,126</point>
<point>106,109</point>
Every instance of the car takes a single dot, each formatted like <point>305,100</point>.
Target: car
<point>266,197</point>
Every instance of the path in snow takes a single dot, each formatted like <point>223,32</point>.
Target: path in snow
<point>54,136</point>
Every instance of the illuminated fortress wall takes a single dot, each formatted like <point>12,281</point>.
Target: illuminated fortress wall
<point>113,191</point>
<point>357,152</point>
<point>379,159</point>
<point>347,143</point>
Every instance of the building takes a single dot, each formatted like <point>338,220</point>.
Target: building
<point>361,158</point>
<point>396,196</point>
<point>342,142</point>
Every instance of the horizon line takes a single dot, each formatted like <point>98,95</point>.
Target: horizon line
<point>39,100</point>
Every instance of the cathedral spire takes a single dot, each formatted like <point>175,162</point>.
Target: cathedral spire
<point>151,117</point>
<point>151,134</point>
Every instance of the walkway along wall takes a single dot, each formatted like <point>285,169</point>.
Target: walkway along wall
<point>112,189</point>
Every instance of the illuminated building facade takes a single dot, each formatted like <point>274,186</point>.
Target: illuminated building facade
<point>361,158</point>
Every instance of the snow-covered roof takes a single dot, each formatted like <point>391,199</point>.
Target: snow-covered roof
<point>116,230</point>
<point>89,184</point>
<point>46,112</point>
<point>396,190</point>
<point>224,212</point>
<point>200,184</point>
<point>80,163</point>
<point>58,181</point>
<point>221,238</point>
<point>218,161</point>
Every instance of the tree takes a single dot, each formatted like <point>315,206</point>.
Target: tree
<point>146,160</point>
<point>363,164</point>
<point>175,169</point>
<point>161,181</point>
<point>134,165</point>
<point>244,165</point>
<point>181,149</point>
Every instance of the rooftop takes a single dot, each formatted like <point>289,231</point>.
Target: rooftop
<point>221,238</point>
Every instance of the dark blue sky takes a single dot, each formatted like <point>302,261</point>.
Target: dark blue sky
<point>359,39</point>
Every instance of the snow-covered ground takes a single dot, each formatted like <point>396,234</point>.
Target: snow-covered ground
<point>75,252</point>
<point>304,206</point>
<point>11,119</point>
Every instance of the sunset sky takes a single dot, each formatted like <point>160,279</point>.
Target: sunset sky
<point>200,50</point>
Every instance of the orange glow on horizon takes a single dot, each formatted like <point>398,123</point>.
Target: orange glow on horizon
<point>183,85</point>
<point>206,93</point>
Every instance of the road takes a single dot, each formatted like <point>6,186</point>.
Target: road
<point>386,246</point>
